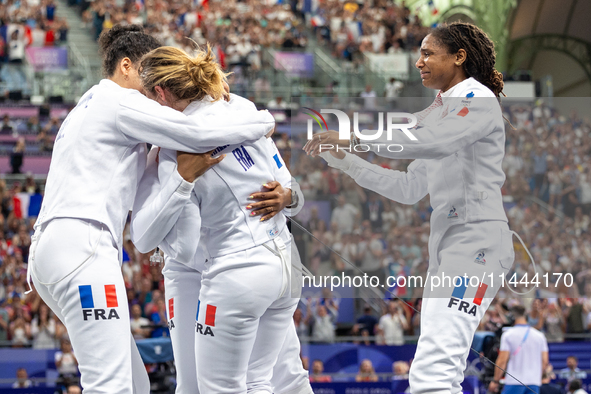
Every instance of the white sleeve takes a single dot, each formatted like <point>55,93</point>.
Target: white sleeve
<point>468,121</point>
<point>283,176</point>
<point>157,205</point>
<point>182,241</point>
<point>404,187</point>
<point>144,120</point>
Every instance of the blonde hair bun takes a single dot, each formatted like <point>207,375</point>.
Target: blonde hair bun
<point>186,77</point>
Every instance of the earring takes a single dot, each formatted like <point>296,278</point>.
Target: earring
<point>127,76</point>
<point>457,63</point>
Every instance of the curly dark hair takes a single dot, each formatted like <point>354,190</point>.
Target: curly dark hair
<point>480,52</point>
<point>120,42</point>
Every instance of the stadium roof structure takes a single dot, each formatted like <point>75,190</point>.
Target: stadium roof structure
<point>555,25</point>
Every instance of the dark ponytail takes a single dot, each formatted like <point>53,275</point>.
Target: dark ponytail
<point>124,41</point>
<point>480,52</point>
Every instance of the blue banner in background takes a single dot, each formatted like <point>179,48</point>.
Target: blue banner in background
<point>469,386</point>
<point>353,388</point>
<point>299,64</point>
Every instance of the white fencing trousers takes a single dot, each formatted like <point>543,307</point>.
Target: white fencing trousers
<point>450,314</point>
<point>182,285</point>
<point>245,309</point>
<point>75,267</point>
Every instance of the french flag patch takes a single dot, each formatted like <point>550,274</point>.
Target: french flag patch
<point>87,299</point>
<point>210,311</point>
<point>461,287</point>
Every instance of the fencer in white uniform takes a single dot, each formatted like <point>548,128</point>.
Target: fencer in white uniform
<point>182,280</point>
<point>459,150</point>
<point>98,159</point>
<point>245,302</point>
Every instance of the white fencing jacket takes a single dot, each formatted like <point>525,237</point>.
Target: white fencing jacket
<point>100,155</point>
<point>458,162</point>
<point>177,215</point>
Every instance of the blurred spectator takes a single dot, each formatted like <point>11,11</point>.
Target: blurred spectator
<point>344,215</point>
<point>33,125</point>
<point>17,156</point>
<point>535,318</point>
<point>16,47</point>
<point>322,321</point>
<point>3,49</point>
<point>555,324</point>
<point>300,325</point>
<point>43,329</point>
<point>547,387</point>
<point>159,320</point>
<point>523,354</point>
<point>22,380</point>
<point>400,370</point>
<point>62,28</point>
<point>317,375</point>
<point>393,89</point>
<point>4,325</point>
<point>277,103</point>
<point>367,322</point>
<point>575,387</point>
<point>371,250</point>
<point>540,167</point>
<point>8,127</point>
<point>74,389</point>
<point>409,249</point>
<point>393,324</point>
<point>50,10</point>
<point>45,141</point>
<point>369,97</point>
<point>139,323</point>
<point>67,365</point>
<point>572,372</point>
<point>20,331</point>
<point>574,317</point>
<point>373,210</point>
<point>366,372</point>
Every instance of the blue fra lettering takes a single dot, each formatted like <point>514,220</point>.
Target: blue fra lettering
<point>243,157</point>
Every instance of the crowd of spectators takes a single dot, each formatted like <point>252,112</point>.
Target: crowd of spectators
<point>24,137</point>
<point>351,28</point>
<point>24,24</point>
<point>35,23</point>
<point>237,29</point>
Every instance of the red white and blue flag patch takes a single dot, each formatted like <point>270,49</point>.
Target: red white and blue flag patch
<point>461,287</point>
<point>87,299</point>
<point>210,311</point>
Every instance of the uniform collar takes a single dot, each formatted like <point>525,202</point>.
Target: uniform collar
<point>107,83</point>
<point>457,88</point>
